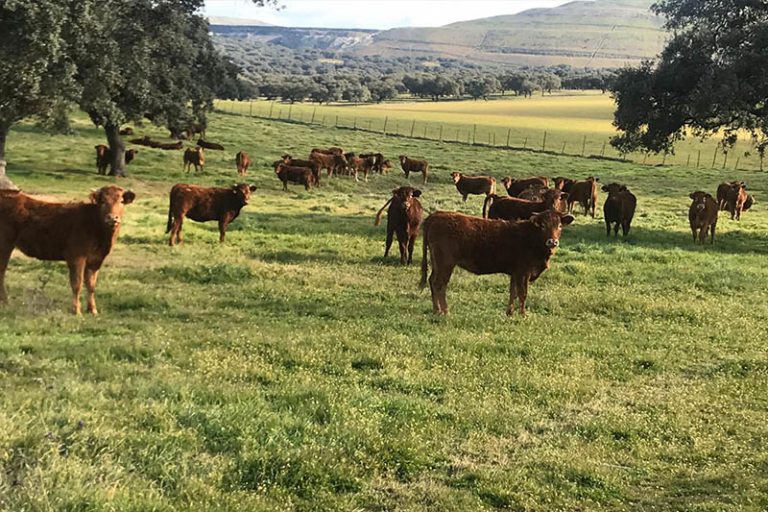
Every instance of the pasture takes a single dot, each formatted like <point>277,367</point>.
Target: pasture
<point>576,123</point>
<point>293,368</point>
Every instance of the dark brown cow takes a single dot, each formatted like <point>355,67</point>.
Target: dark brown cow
<point>534,193</point>
<point>333,163</point>
<point>104,157</point>
<point>514,208</point>
<point>403,220</point>
<point>204,204</point>
<point>168,146</point>
<point>82,234</point>
<point>330,151</point>
<point>702,216</point>
<point>515,186</point>
<point>295,162</point>
<point>618,209</point>
<point>564,184</point>
<point>722,192</point>
<point>584,193</point>
<point>194,157</point>
<point>243,161</point>
<point>299,175</point>
<point>410,165</point>
<point>476,185</point>
<point>735,200</point>
<point>209,145</point>
<point>195,129</point>
<point>519,249</point>
<point>378,163</point>
<point>362,164</point>
<point>126,131</point>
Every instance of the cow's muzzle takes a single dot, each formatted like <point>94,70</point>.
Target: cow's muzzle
<point>700,206</point>
<point>552,243</point>
<point>112,221</point>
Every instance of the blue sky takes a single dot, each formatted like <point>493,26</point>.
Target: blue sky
<point>376,14</point>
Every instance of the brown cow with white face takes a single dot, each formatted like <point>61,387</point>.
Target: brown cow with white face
<point>82,234</point>
<point>202,204</point>
<point>702,216</point>
<point>521,250</point>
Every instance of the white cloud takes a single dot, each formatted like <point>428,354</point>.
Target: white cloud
<point>377,14</point>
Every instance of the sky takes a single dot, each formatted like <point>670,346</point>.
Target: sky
<point>374,14</point>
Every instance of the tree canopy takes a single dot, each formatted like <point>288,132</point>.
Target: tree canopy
<point>712,76</point>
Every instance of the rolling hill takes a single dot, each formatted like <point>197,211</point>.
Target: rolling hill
<point>600,33</point>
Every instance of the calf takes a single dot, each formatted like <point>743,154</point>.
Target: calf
<point>194,157</point>
<point>410,165</point>
<point>521,250</point>
<point>82,234</point>
<point>619,208</point>
<point>584,193</point>
<point>209,145</point>
<point>735,199</point>
<point>564,184</point>
<point>104,157</point>
<point>242,161</point>
<point>362,164</point>
<point>702,216</point>
<point>473,184</point>
<point>378,161</point>
<point>333,163</point>
<point>403,220</point>
<point>203,204</point>
<point>300,175</point>
<point>311,164</point>
<point>515,186</point>
<point>514,208</point>
<point>126,131</point>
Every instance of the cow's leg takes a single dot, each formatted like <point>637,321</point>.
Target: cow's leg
<point>693,230</point>
<point>464,197</point>
<point>176,230</point>
<point>285,185</point>
<point>6,248</point>
<point>512,296</point>
<point>388,244</point>
<point>411,243</point>
<point>615,229</point>
<point>223,223</point>
<point>522,293</point>
<point>625,228</point>
<point>712,231</point>
<point>91,275</point>
<point>76,270</point>
<point>703,232</point>
<point>438,283</point>
<point>607,227</point>
<point>424,180</point>
<point>402,242</point>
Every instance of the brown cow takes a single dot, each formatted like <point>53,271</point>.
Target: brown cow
<point>514,208</point>
<point>242,160</point>
<point>473,184</point>
<point>295,162</point>
<point>519,249</point>
<point>584,193</point>
<point>126,131</point>
<point>194,157</point>
<point>735,200</point>
<point>333,163</point>
<point>410,165</point>
<point>403,220</point>
<point>209,145</point>
<point>534,193</point>
<point>618,209</point>
<point>203,204</point>
<point>703,216</point>
<point>330,151</point>
<point>378,164</point>
<point>564,184</point>
<point>722,192</point>
<point>104,157</point>
<point>300,175</point>
<point>515,186</point>
<point>82,234</point>
<point>168,146</point>
<point>362,164</point>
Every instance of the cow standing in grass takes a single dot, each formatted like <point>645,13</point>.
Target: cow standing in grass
<point>702,216</point>
<point>476,185</point>
<point>403,220</point>
<point>618,209</point>
<point>410,165</point>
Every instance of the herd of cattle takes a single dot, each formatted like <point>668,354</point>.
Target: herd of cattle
<point>517,234</point>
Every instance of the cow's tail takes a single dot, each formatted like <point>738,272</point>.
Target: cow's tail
<point>424,263</point>
<point>487,203</point>
<point>378,214</point>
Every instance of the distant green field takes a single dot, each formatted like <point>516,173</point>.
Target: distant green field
<point>575,123</point>
<point>293,368</point>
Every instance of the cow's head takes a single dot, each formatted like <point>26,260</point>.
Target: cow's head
<point>405,195</point>
<point>456,176</point>
<point>243,192</point>
<point>386,165</point>
<point>507,182</point>
<point>700,200</point>
<point>287,158</point>
<point>593,179</point>
<point>559,182</point>
<point>614,188</point>
<point>402,158</point>
<point>551,224</point>
<point>111,201</point>
<point>556,199</point>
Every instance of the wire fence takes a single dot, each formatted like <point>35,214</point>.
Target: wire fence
<point>691,153</point>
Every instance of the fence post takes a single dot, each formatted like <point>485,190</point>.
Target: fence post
<point>474,133</point>
<point>602,151</point>
<point>664,160</point>
<point>736,167</point>
<point>425,130</point>
<point>354,123</point>
<point>384,131</point>
<point>725,160</point>
<point>413,125</point>
<point>525,142</point>
<point>563,151</point>
<point>441,132</point>
<point>271,107</point>
<point>314,111</point>
<point>457,135</point>
<point>494,139</point>
<point>584,146</point>
<point>645,157</point>
<point>337,121</point>
<point>688,163</point>
<point>250,102</point>
<point>290,107</point>
<point>544,144</point>
<point>698,159</point>
<point>714,158</point>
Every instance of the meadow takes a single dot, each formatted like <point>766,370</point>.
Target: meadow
<point>577,123</point>
<point>294,368</point>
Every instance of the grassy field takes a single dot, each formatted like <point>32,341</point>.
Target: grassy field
<point>575,122</point>
<point>293,368</point>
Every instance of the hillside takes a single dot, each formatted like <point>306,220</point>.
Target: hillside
<point>600,33</point>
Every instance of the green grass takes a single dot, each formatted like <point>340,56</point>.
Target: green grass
<point>293,368</point>
<point>576,123</point>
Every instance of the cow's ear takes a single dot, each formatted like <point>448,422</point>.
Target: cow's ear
<point>597,179</point>
<point>567,219</point>
<point>623,188</point>
<point>128,197</point>
<point>394,191</point>
<point>94,196</point>
<point>709,196</point>
<point>605,188</point>
<point>416,193</point>
<point>563,195</point>
<point>252,188</point>
<point>692,195</point>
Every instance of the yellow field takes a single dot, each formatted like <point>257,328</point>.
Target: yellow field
<point>577,123</point>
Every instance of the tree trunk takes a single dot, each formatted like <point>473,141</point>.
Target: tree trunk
<point>3,134</point>
<point>117,147</point>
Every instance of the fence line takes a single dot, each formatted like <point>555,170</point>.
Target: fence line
<point>456,133</point>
